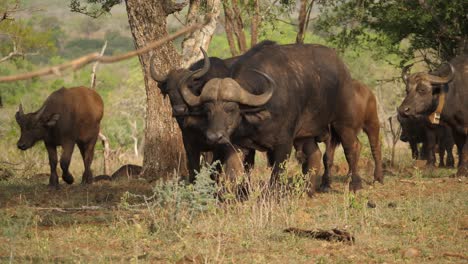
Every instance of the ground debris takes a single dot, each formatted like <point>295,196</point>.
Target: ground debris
<point>455,255</point>
<point>329,235</point>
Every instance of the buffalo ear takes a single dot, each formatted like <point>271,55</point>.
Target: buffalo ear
<point>53,120</point>
<point>257,117</point>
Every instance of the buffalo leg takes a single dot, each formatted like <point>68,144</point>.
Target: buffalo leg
<point>441,150</point>
<point>450,159</point>
<point>67,151</point>
<point>311,165</point>
<point>193,158</point>
<point>52,152</point>
<point>328,158</point>
<point>372,132</point>
<point>414,149</point>
<point>277,159</point>
<point>431,142</point>
<point>249,159</point>
<point>463,155</point>
<point>351,146</point>
<point>87,152</point>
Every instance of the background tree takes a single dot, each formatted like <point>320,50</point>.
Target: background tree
<point>433,30</point>
<point>163,149</point>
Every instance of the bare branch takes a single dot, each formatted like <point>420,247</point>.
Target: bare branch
<point>93,73</point>
<point>171,7</point>
<point>92,57</point>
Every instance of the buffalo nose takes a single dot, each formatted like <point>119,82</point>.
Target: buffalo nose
<point>214,137</point>
<point>404,111</point>
<point>21,146</point>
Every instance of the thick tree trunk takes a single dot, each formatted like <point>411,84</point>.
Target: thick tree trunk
<point>200,38</point>
<point>163,151</point>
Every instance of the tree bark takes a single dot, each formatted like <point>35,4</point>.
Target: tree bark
<point>304,15</point>
<point>200,38</point>
<point>163,149</point>
<point>229,28</point>
<point>239,26</point>
<point>255,23</point>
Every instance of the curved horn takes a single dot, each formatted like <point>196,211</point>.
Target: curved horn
<point>206,66</point>
<point>188,96</point>
<point>244,97</point>
<point>157,77</point>
<point>442,80</point>
<point>40,112</point>
<point>404,72</point>
<point>20,110</point>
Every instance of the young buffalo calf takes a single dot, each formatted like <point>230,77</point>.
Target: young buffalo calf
<point>67,117</point>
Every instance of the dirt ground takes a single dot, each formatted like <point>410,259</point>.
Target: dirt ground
<point>417,216</point>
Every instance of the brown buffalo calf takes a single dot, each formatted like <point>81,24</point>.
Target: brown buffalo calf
<point>67,117</point>
<point>363,117</point>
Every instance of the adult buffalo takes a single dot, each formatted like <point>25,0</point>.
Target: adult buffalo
<point>192,120</point>
<point>67,117</point>
<point>420,131</point>
<point>442,96</point>
<point>364,117</point>
<point>278,94</point>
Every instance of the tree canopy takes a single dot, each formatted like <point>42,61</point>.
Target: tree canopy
<point>432,30</point>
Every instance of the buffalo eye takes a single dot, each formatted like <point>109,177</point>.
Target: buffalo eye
<point>421,89</point>
<point>229,107</point>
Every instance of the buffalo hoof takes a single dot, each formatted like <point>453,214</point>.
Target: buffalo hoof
<point>53,187</point>
<point>325,188</point>
<point>68,178</point>
<point>355,185</point>
<point>462,171</point>
<point>379,179</point>
<point>87,180</point>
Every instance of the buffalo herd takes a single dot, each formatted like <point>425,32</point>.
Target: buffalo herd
<point>272,99</point>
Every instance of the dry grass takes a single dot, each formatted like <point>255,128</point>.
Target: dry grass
<point>419,217</point>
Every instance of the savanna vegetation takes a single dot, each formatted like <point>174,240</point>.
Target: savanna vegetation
<point>418,216</point>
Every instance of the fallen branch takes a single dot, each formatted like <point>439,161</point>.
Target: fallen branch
<point>92,57</point>
<point>329,235</point>
<point>455,255</point>
<point>72,209</point>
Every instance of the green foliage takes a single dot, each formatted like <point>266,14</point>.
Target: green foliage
<point>23,37</point>
<point>432,27</point>
<point>93,8</point>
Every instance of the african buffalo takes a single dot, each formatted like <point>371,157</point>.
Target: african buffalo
<point>192,120</point>
<point>442,96</point>
<point>67,117</point>
<point>278,94</point>
<point>364,117</point>
<point>421,131</point>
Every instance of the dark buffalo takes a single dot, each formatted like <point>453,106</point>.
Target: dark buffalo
<point>67,117</point>
<point>414,132</point>
<point>431,136</point>
<point>192,120</point>
<point>277,95</point>
<point>442,96</point>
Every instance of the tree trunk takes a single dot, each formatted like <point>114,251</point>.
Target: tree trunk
<point>304,15</point>
<point>229,28</point>
<point>239,26</point>
<point>200,38</point>
<point>163,149</point>
<point>255,23</point>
